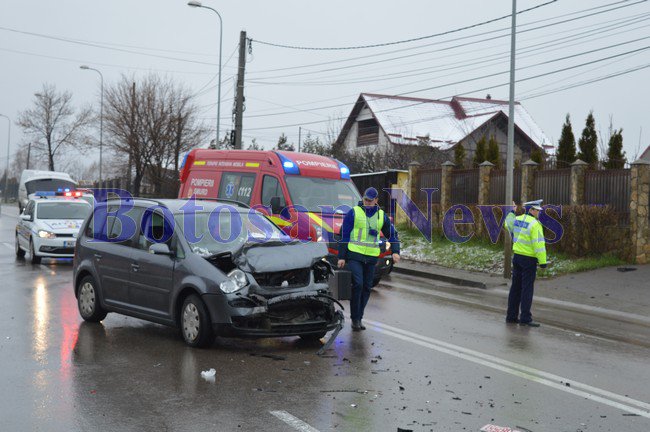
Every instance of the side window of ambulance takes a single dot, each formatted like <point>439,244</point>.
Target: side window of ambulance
<point>270,188</point>
<point>237,186</point>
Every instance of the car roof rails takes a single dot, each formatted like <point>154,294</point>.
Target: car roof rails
<point>226,201</point>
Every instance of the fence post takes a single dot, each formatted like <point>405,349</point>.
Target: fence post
<point>528,181</point>
<point>639,223</point>
<point>413,183</point>
<point>484,170</point>
<point>578,169</point>
<point>445,186</point>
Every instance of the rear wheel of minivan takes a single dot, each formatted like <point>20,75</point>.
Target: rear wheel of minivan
<point>90,308</point>
<point>196,326</point>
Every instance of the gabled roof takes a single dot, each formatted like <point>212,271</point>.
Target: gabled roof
<point>646,154</point>
<point>405,119</point>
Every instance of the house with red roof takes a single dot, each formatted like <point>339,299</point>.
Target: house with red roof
<point>382,122</point>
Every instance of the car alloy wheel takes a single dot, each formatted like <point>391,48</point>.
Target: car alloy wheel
<point>34,258</point>
<point>19,252</point>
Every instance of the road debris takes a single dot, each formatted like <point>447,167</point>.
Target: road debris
<point>209,375</point>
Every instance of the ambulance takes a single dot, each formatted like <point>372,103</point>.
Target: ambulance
<point>306,195</point>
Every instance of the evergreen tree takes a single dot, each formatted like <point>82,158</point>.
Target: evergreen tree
<point>588,143</point>
<point>254,145</point>
<point>283,144</point>
<point>493,154</point>
<point>566,147</point>
<point>537,156</point>
<point>315,146</point>
<point>615,155</point>
<point>479,155</point>
<point>459,156</point>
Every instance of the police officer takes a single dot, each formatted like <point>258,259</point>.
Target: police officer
<point>359,248</point>
<point>529,250</point>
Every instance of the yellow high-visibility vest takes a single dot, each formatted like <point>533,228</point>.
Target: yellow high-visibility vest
<point>528,236</point>
<point>360,239</point>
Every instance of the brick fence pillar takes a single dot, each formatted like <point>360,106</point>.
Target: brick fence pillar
<point>527,181</point>
<point>413,183</point>
<point>578,169</point>
<point>484,170</point>
<point>445,186</point>
<point>639,223</point>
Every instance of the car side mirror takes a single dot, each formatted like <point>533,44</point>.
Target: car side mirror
<point>160,249</point>
<point>25,217</point>
<point>276,208</point>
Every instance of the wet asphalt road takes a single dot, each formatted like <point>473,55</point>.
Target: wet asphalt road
<point>428,362</point>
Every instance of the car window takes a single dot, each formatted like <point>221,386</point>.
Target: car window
<point>271,188</point>
<point>63,210</point>
<point>48,184</point>
<point>116,226</point>
<point>154,228</point>
<point>29,210</point>
<point>236,186</point>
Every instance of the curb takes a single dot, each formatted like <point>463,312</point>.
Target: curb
<point>439,277</point>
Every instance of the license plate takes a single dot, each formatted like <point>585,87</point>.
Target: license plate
<point>68,243</point>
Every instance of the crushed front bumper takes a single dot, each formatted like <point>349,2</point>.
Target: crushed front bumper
<point>292,314</point>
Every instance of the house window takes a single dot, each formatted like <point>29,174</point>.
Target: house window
<point>368,133</point>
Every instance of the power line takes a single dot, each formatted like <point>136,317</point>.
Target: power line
<point>464,93</point>
<point>401,51</point>
<point>377,45</point>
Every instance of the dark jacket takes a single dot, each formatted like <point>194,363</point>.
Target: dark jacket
<point>387,229</point>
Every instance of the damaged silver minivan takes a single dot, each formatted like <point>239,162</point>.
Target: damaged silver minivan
<point>208,268</point>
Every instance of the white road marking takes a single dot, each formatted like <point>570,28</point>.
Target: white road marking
<point>586,391</point>
<point>294,422</point>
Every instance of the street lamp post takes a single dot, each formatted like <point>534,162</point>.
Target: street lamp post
<point>101,119</point>
<point>197,4</point>
<point>7,166</point>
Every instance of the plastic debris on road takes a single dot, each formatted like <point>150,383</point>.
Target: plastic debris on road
<point>209,375</point>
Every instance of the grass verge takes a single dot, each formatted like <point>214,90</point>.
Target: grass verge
<point>484,256</point>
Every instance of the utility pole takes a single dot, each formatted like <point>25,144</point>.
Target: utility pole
<point>239,98</point>
<point>131,139</point>
<point>507,255</point>
<point>299,137</point>
<point>29,150</point>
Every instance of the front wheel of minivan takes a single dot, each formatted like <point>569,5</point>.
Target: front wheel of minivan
<point>196,326</point>
<point>88,301</point>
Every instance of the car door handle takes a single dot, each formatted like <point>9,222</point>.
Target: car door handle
<point>135,267</point>
<point>98,257</point>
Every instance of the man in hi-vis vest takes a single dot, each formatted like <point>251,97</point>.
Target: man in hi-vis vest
<point>360,247</point>
<point>529,248</point>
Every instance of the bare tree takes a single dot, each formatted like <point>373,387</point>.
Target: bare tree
<point>53,123</point>
<point>152,122</point>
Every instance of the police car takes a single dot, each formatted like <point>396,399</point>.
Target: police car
<point>49,225</point>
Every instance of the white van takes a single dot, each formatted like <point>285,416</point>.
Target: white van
<point>32,181</point>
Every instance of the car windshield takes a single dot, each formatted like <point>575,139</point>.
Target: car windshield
<point>48,185</point>
<point>310,192</point>
<point>62,210</point>
<point>226,231</point>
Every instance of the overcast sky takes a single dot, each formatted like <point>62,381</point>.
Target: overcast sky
<point>286,88</point>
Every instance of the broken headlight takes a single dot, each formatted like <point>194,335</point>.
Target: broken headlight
<point>236,281</point>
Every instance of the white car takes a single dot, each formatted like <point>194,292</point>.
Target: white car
<point>49,226</point>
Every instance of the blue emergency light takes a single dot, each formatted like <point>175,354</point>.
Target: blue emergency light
<point>345,171</point>
<point>289,166</point>
<point>45,193</point>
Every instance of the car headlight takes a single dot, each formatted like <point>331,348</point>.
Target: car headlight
<point>237,280</point>
<point>46,234</point>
